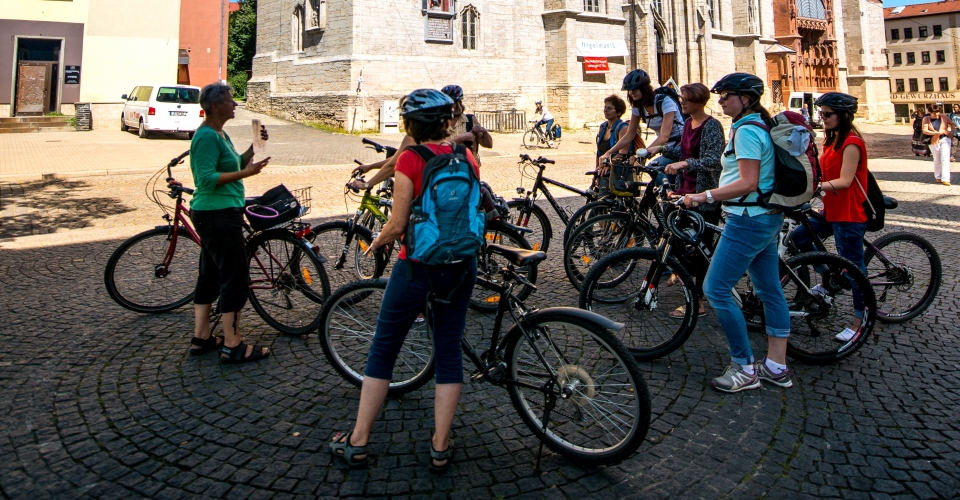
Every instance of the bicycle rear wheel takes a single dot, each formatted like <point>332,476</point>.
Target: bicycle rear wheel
<point>905,274</point>
<point>816,318</point>
<point>288,284</point>
<point>489,265</point>
<point>347,326</point>
<point>531,139</point>
<point>528,215</point>
<point>624,285</point>
<point>602,410</point>
<point>137,280</point>
<point>598,237</point>
<point>346,262</point>
<point>588,211</point>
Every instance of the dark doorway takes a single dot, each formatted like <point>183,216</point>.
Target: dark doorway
<point>38,76</point>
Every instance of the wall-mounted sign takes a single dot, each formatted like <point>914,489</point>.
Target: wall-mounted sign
<point>924,96</point>
<point>438,29</point>
<point>594,65</point>
<point>71,75</point>
<point>601,48</point>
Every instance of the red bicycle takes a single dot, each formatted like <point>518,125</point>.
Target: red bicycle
<point>156,270</point>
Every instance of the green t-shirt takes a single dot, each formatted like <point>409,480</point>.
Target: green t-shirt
<point>211,154</point>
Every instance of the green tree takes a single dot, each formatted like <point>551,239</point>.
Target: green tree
<point>242,45</point>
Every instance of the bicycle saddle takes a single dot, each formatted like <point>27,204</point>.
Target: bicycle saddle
<point>517,256</point>
<point>890,202</point>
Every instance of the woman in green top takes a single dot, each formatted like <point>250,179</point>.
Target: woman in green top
<point>217,214</point>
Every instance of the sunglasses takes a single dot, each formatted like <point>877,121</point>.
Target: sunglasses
<point>726,95</point>
<point>827,114</point>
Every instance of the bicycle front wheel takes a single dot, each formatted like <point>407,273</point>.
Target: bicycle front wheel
<point>817,316</point>
<point>905,272</point>
<point>528,215</point>
<point>588,211</point>
<point>656,301</point>
<point>598,237</point>
<point>288,284</point>
<point>601,406</point>
<point>489,266</point>
<point>343,244</point>
<point>137,279</point>
<point>347,326</point>
<point>531,139</point>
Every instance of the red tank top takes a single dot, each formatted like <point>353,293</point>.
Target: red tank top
<point>847,204</point>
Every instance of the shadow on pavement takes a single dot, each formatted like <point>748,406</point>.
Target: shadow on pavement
<point>44,206</point>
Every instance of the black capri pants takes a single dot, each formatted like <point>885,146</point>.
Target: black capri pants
<point>224,270</point>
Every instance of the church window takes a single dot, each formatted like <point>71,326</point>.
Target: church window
<point>928,84</point>
<point>296,29</point>
<point>658,6</point>
<point>591,5</point>
<point>944,85</point>
<point>898,58</point>
<point>923,31</point>
<point>900,85</point>
<point>468,27</point>
<point>895,34</point>
<point>913,85</point>
<point>941,56</point>
<point>812,9</point>
<point>937,30</point>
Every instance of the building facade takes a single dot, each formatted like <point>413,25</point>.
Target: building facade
<point>55,53</point>
<point>202,58</point>
<point>923,52</point>
<point>335,62</point>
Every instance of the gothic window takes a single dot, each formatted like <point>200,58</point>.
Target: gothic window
<point>296,29</point>
<point>812,9</point>
<point>658,6</point>
<point>713,22</point>
<point>469,19</point>
<point>317,15</point>
<point>591,5</point>
<point>752,16</point>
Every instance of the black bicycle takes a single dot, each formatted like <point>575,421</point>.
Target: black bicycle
<point>575,386</point>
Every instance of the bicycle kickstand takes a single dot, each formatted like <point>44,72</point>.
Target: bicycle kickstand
<point>547,408</point>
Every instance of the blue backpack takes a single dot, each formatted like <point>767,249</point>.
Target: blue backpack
<point>447,223</point>
<point>614,134</point>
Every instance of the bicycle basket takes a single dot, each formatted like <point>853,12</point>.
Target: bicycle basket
<point>624,180</point>
<point>279,199</point>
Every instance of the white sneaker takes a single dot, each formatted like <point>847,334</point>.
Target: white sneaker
<point>846,335</point>
<point>819,290</point>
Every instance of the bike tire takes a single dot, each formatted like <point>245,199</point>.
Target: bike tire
<point>913,266</point>
<point>598,237</point>
<point>587,211</point>
<point>131,275</point>
<point>288,283</point>
<point>347,325</point>
<point>329,240</point>
<point>488,267</point>
<point>587,357</point>
<point>528,215</point>
<point>649,331</point>
<point>531,140</point>
<point>814,320</point>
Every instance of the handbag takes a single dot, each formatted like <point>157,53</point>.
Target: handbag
<point>275,207</point>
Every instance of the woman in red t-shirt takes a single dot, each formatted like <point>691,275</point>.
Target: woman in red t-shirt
<point>428,117</point>
<point>844,165</point>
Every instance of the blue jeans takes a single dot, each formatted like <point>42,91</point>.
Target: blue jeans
<point>747,244</point>
<point>661,162</point>
<point>549,124</point>
<point>405,298</point>
<point>848,237</point>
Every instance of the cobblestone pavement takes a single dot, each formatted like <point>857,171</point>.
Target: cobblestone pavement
<point>101,402</point>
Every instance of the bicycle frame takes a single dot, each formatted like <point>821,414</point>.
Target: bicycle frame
<point>540,185</point>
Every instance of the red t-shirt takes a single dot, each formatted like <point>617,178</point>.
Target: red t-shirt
<point>847,204</point>
<point>411,165</point>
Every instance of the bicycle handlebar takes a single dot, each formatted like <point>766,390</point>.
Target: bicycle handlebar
<point>539,160</point>
<point>174,162</point>
<point>390,150</point>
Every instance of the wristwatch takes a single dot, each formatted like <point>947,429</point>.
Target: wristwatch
<point>709,196</point>
<point>366,185</point>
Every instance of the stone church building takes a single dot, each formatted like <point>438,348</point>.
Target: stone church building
<point>334,61</point>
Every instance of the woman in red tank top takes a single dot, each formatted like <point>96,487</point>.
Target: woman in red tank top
<point>844,165</point>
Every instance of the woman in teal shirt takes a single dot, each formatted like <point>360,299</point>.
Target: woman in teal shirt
<point>217,214</point>
<point>749,240</point>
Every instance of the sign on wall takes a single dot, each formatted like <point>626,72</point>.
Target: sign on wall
<point>601,48</point>
<point>71,75</point>
<point>439,29</point>
<point>595,65</point>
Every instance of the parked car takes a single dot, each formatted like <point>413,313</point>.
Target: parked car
<point>162,108</point>
<point>805,100</point>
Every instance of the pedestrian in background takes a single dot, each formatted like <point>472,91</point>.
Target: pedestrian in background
<point>216,210</point>
<point>940,130</point>
<point>955,118</point>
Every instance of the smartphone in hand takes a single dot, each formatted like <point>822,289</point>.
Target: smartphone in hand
<point>259,145</point>
<point>469,124</point>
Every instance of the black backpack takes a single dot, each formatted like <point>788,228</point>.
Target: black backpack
<point>874,205</point>
<point>667,92</point>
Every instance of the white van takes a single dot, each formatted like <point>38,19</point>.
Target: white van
<point>799,100</point>
<point>162,108</point>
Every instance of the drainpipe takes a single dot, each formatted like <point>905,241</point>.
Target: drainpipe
<point>633,34</point>
<point>220,60</point>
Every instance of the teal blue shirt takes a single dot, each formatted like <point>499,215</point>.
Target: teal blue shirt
<point>753,143</point>
<point>210,155</point>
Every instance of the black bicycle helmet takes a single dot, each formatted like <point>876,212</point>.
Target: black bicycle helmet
<point>742,83</point>
<point>838,101</point>
<point>427,106</point>
<point>454,91</point>
<point>635,79</point>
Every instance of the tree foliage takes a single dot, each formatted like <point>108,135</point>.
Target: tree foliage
<point>243,38</point>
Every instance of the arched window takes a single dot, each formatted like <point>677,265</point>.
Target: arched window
<point>812,9</point>
<point>469,26</point>
<point>296,29</point>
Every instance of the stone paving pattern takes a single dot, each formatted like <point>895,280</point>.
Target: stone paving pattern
<point>100,402</point>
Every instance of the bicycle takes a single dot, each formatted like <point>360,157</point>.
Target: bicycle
<point>575,386</point>
<point>534,137</point>
<point>900,265</point>
<point>521,209</point>
<point>156,270</point>
<point>613,287</point>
